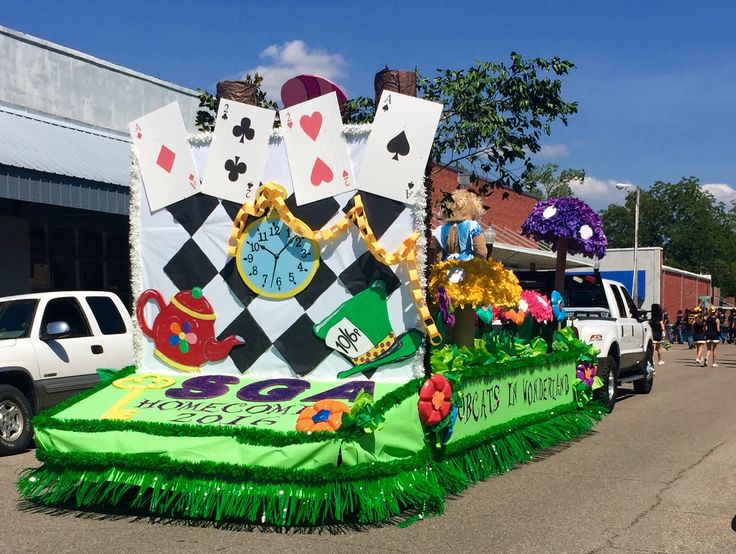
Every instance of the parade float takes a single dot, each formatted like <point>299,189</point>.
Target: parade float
<point>294,365</point>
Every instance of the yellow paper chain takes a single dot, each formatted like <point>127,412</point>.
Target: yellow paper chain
<point>272,195</point>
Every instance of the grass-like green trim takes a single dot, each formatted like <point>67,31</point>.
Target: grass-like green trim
<point>42,419</point>
<point>162,486</point>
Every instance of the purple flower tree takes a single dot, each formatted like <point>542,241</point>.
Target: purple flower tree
<point>568,225</point>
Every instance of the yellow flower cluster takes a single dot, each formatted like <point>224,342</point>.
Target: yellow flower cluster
<point>484,282</point>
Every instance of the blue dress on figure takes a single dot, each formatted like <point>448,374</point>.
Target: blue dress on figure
<point>466,231</point>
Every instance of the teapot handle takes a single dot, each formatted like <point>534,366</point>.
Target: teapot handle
<point>146,295</point>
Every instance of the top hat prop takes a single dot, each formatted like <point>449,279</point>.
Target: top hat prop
<point>360,330</point>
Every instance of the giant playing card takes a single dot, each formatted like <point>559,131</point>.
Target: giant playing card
<point>318,156</point>
<point>165,157</point>
<point>399,146</point>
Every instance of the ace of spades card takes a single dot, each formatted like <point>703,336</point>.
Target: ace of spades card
<point>399,145</point>
<point>318,156</point>
<point>164,157</point>
<point>238,151</point>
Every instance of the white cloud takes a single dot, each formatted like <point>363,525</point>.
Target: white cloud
<point>553,151</point>
<point>599,193</point>
<point>723,192</point>
<point>281,62</point>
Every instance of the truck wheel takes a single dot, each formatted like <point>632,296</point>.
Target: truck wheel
<point>645,384</point>
<point>15,420</point>
<point>606,395</point>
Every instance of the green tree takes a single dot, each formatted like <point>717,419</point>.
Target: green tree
<point>547,181</point>
<point>695,231</point>
<point>494,116</point>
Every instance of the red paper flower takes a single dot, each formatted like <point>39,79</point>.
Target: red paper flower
<point>434,400</point>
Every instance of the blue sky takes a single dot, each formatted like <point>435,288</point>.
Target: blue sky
<point>655,81</point>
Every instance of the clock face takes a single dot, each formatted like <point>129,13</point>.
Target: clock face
<point>273,261</point>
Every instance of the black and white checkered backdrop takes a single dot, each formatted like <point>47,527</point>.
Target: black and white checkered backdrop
<point>185,246</point>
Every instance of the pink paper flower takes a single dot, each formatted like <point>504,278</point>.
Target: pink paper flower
<point>537,304</point>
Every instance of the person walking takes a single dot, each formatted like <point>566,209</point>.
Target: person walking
<point>690,319</point>
<point>697,334</point>
<point>657,324</point>
<point>712,329</point>
<point>724,325</point>
<point>731,325</point>
<point>680,327</point>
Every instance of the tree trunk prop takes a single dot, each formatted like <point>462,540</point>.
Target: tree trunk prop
<point>560,265</point>
<point>238,91</point>
<point>464,330</point>
<point>395,80</point>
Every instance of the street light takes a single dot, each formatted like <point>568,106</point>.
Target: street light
<point>628,186</point>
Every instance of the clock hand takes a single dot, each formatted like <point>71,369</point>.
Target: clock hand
<point>273,273</point>
<point>286,246</point>
<point>267,250</point>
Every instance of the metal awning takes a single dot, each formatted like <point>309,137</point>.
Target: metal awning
<point>519,257</point>
<point>52,161</point>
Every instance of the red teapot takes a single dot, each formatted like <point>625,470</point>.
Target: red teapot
<point>184,330</point>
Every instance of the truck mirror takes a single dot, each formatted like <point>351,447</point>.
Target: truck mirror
<point>56,330</point>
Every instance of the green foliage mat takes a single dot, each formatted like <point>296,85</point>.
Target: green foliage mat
<point>363,493</point>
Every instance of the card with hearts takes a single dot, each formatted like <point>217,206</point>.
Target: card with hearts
<point>318,155</point>
<point>399,145</point>
<point>238,151</point>
<point>164,157</point>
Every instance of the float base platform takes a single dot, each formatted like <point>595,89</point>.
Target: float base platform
<point>226,448</point>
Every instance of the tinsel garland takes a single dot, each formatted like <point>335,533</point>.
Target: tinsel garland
<point>171,488</point>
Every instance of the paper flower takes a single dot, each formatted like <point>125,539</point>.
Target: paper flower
<point>435,400</point>
<point>485,282</point>
<point>182,335</point>
<point>586,373</point>
<point>446,308</point>
<point>558,305</point>
<point>325,415</point>
<point>515,315</point>
<point>570,220</point>
<point>537,305</point>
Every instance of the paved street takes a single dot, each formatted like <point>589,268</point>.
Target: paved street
<point>658,475</point>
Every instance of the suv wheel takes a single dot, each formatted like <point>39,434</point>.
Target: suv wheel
<point>15,420</point>
<point>608,374</point>
<point>645,384</point>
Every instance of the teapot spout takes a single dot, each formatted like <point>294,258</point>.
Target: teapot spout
<point>215,350</point>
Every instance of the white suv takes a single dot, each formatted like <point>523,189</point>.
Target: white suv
<point>51,345</point>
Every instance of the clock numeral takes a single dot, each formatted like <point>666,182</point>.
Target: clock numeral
<point>273,231</point>
<point>254,246</point>
<point>292,279</point>
<point>262,237</point>
<point>288,231</point>
<point>300,267</point>
<point>253,270</point>
<point>265,278</point>
<point>304,254</point>
<point>298,242</point>
<point>249,258</point>
<point>278,282</point>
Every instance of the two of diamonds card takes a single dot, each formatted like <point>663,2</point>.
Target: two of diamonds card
<point>399,146</point>
<point>164,156</point>
<point>238,151</point>
<point>318,155</point>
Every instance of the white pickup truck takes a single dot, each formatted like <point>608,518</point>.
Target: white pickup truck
<point>604,315</point>
<point>51,345</point>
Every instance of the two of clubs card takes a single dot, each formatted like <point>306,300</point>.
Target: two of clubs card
<point>319,161</point>
<point>164,156</point>
<point>238,151</point>
<point>399,146</point>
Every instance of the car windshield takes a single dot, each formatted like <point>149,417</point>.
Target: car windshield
<point>16,317</point>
